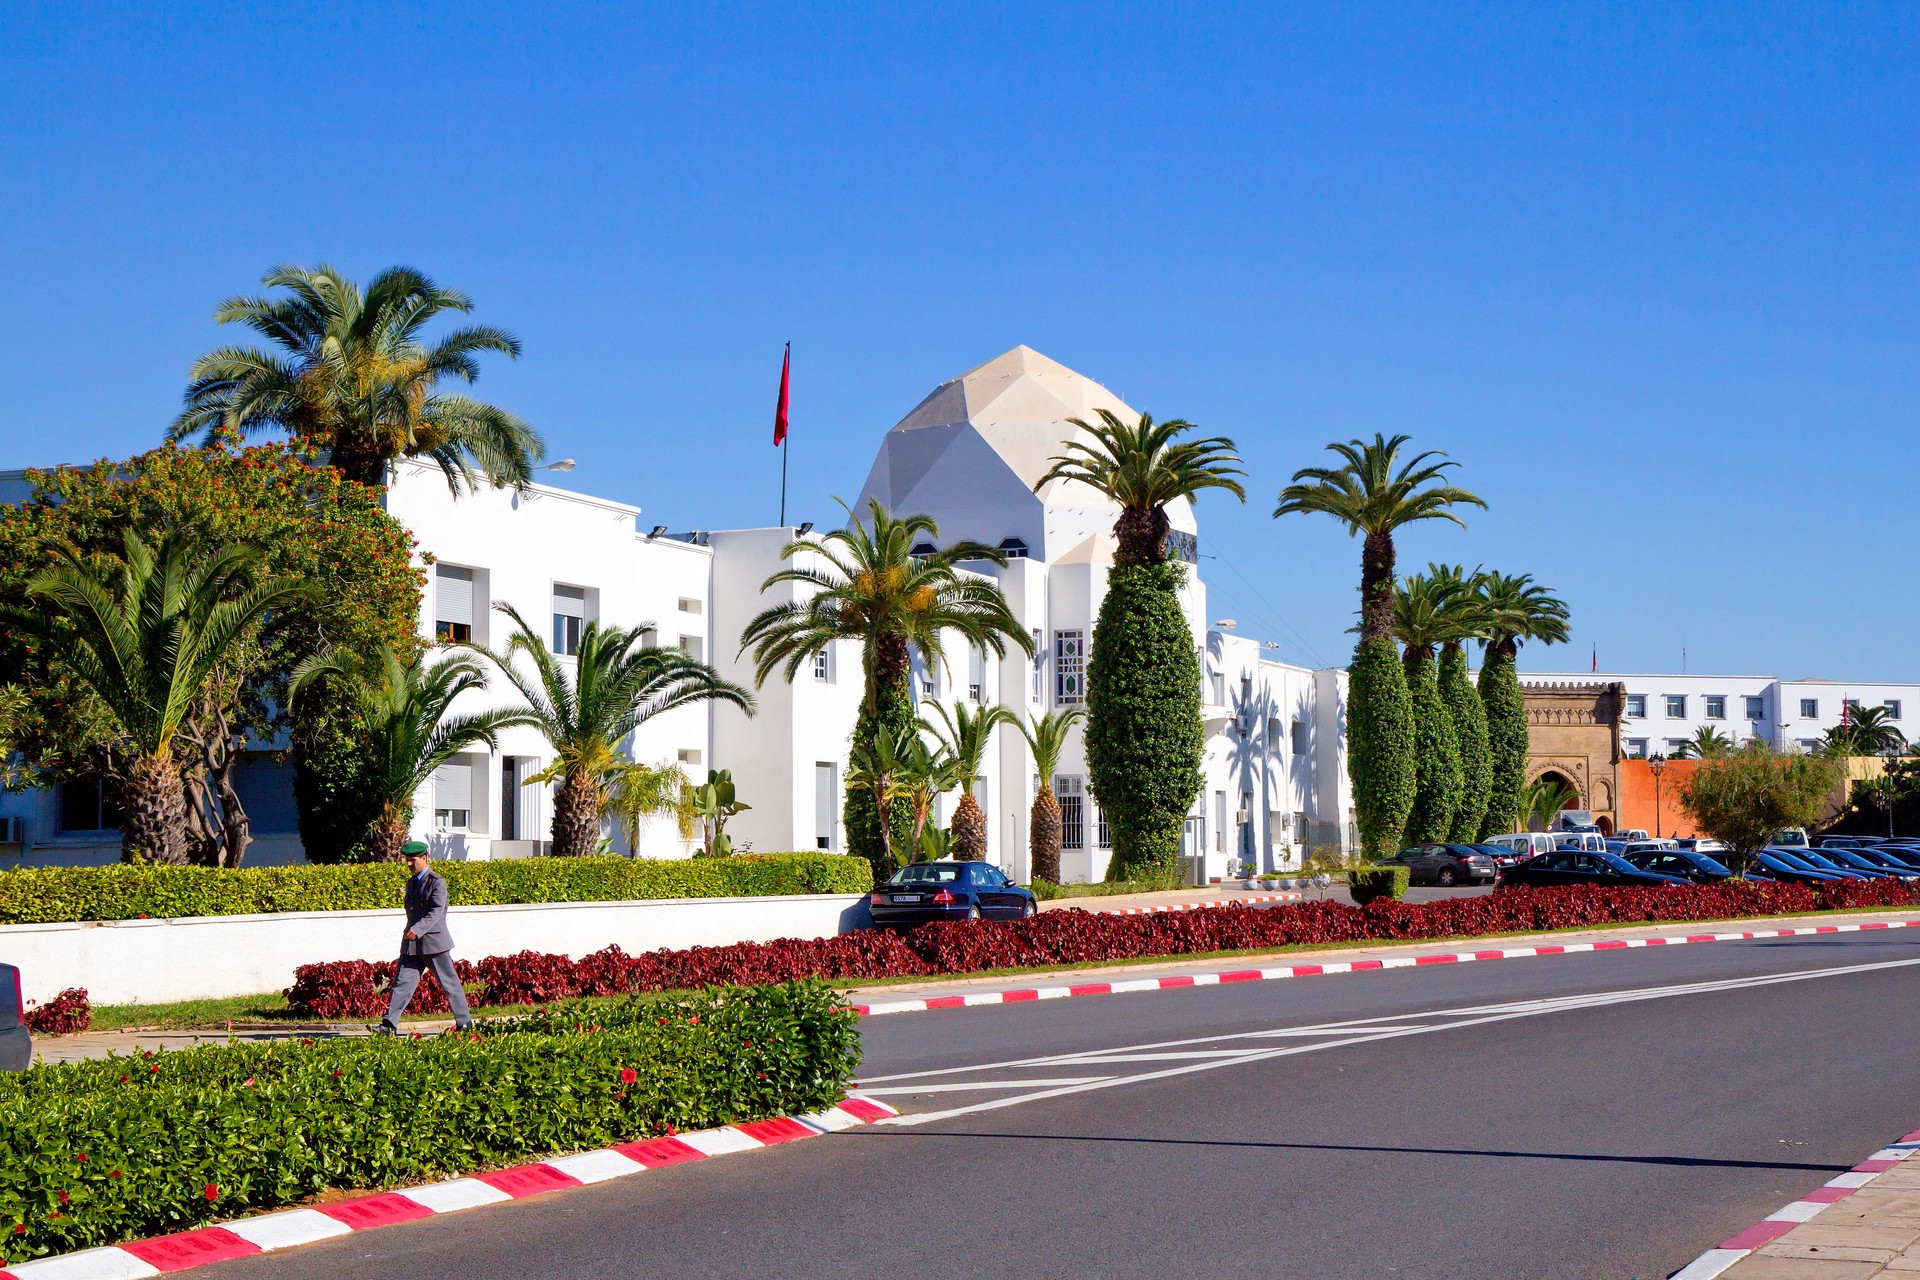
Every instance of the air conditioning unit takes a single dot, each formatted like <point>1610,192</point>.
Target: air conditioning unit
<point>13,830</point>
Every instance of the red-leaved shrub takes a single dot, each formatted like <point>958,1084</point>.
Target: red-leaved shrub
<point>66,1014</point>
<point>356,988</point>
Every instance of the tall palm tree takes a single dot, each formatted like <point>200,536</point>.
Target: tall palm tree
<point>1868,731</point>
<point>354,375</point>
<point>403,707</point>
<point>1426,615</point>
<point>1705,743</point>
<point>1374,493</point>
<point>1142,467</point>
<point>616,684</point>
<point>885,769</point>
<point>1046,737</point>
<point>146,637</point>
<point>865,583</point>
<point>967,734</point>
<point>1515,610</point>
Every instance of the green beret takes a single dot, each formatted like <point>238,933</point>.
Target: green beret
<point>414,849</point>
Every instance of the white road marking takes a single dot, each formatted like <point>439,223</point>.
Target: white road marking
<point>1344,1034</point>
<point>981,1084</point>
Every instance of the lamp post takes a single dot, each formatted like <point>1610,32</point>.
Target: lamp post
<point>1656,765</point>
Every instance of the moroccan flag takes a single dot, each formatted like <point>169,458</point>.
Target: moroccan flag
<point>780,412</point>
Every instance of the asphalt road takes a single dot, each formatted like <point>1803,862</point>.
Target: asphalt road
<point>1553,1117</point>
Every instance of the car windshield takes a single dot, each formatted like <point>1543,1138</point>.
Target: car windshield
<point>1710,866</point>
<point>927,873</point>
<point>1617,863</point>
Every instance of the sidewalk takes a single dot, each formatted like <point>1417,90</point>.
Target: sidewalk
<point>1178,899</point>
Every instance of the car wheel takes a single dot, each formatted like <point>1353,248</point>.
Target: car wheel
<point>1029,909</point>
<point>973,912</point>
<point>1446,877</point>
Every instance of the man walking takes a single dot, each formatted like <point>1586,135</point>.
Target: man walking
<point>426,942</point>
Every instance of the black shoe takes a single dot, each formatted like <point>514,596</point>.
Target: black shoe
<point>463,1027</point>
<point>382,1029</point>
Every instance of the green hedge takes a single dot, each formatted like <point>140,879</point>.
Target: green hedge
<point>49,894</point>
<point>1365,884</point>
<point>120,1148</point>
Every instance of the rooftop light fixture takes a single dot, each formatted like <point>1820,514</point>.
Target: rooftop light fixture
<point>565,464</point>
<point>805,529</point>
<point>1226,624</point>
<point>657,531</point>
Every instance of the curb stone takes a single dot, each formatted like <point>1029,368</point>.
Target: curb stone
<point>286,1228</point>
<point>1272,972</point>
<point>1788,1216</point>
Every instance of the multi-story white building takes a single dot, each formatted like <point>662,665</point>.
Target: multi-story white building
<point>1662,711</point>
<point>970,455</point>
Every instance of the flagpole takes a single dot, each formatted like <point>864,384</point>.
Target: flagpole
<point>783,483</point>
<point>780,429</point>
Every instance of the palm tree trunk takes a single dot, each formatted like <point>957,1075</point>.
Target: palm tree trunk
<point>576,817</point>
<point>1376,587</point>
<point>1141,536</point>
<point>359,460</point>
<point>153,827</point>
<point>969,828</point>
<point>389,833</point>
<point>1043,836</point>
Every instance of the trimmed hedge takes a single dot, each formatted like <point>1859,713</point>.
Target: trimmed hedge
<point>353,988</point>
<point>1470,735</point>
<point>1507,741</point>
<point>1380,746</point>
<point>119,1148</point>
<point>47,895</point>
<point>1364,884</point>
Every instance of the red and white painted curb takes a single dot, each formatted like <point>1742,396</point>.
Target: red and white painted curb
<point>1271,972</point>
<point>1251,900</point>
<point>1788,1216</point>
<point>245,1237</point>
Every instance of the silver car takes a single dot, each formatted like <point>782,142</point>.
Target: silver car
<point>16,1046</point>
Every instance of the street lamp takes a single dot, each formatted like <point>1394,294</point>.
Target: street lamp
<point>565,464</point>
<point>1656,765</point>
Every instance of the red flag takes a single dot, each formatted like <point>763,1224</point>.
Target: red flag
<point>1596,657</point>
<point>780,413</point>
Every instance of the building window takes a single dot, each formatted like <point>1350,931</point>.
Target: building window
<point>1070,791</point>
<point>1809,708</point>
<point>1893,708</point>
<point>1852,706</point>
<point>976,673</point>
<point>1676,706</point>
<point>1039,667</point>
<point>1716,706</point>
<point>1636,706</point>
<point>1299,737</point>
<point>689,605</point>
<point>650,637</point>
<point>693,647</point>
<point>452,604</point>
<point>1275,736</point>
<point>1103,834</point>
<point>569,619</point>
<point>822,670</point>
<point>1218,684</point>
<point>453,795</point>
<point>1674,745</point>
<point>1069,668</point>
<point>1756,708</point>
<point>1809,745</point>
<point>85,805</point>
<point>1300,826</point>
<point>826,802</point>
<point>1014,549</point>
<point>922,549</point>
<point>1636,748</point>
<point>689,755</point>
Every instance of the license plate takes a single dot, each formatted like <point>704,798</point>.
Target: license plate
<point>906,897</point>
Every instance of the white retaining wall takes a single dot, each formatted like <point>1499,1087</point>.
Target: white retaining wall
<point>202,957</point>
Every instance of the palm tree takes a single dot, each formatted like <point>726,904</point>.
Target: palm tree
<point>617,684</point>
<point>403,708</point>
<point>966,736</point>
<point>1515,610</point>
<point>868,585</point>
<point>1465,621</point>
<point>881,769</point>
<point>1426,614</point>
<point>146,637</point>
<point>1374,494</point>
<point>1142,468</point>
<point>1706,743</point>
<point>1542,800</point>
<point>638,792</point>
<point>1868,731</point>
<point>354,376</point>
<point>1046,737</point>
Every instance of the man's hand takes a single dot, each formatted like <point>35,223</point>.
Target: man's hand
<point>412,936</point>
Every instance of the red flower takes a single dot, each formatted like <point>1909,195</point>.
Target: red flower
<point>63,1197</point>
<point>113,1173</point>
<point>628,1075</point>
<point>211,1191</point>
<point>336,1074</point>
<point>247,1083</point>
<point>153,1071</point>
<point>19,1228</point>
<point>124,1079</point>
<point>81,1158</point>
<point>694,1021</point>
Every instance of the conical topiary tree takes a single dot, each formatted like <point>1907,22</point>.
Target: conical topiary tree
<point>1515,609</point>
<point>1421,622</point>
<point>1462,701</point>
<point>1046,737</point>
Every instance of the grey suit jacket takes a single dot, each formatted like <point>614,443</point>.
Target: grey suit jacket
<point>426,916</point>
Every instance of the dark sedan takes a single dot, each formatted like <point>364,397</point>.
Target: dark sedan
<point>1697,867</point>
<point>928,891</point>
<point>1445,864</point>
<point>16,1046</point>
<point>1568,867</point>
<point>1774,866</point>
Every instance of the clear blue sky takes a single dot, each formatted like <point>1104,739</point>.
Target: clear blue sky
<point>1649,272</point>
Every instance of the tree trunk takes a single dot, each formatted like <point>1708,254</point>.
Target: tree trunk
<point>1376,587</point>
<point>359,460</point>
<point>202,840</point>
<point>1141,536</point>
<point>576,817</point>
<point>1043,836</point>
<point>153,826</point>
<point>969,828</point>
<point>389,833</point>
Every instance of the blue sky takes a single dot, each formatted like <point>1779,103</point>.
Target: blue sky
<point>1649,272</point>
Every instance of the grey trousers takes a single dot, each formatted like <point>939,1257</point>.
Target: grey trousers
<point>408,978</point>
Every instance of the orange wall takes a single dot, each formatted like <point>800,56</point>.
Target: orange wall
<point>1636,798</point>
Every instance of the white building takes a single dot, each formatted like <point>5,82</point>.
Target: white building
<point>969,455</point>
<point>1662,711</point>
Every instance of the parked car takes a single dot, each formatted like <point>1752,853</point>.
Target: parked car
<point>1631,833</point>
<point>1580,841</point>
<point>1445,864</point>
<point>1788,837</point>
<point>1808,860</point>
<point>1861,860</point>
<point>1890,857</point>
<point>1503,855</point>
<point>1697,867</point>
<point>1774,865</point>
<point>16,1045</point>
<point>1572,867</point>
<point>928,891</point>
<point>1701,844</point>
<point>1833,842</point>
<point>1525,843</point>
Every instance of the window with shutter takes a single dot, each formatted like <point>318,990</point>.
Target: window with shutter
<point>452,603</point>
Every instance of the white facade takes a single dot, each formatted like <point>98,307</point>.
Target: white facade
<point>969,455</point>
<point>1664,710</point>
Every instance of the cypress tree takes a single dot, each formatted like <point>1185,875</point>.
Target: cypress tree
<point>1436,754</point>
<point>1470,736</point>
<point>1379,746</point>
<point>1506,709</point>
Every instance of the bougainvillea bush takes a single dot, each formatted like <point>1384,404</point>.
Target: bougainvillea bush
<point>356,989</point>
<point>68,1013</point>
<point>126,1147</point>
